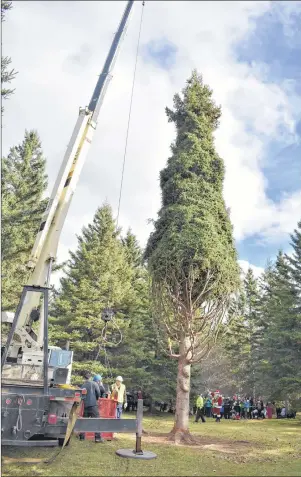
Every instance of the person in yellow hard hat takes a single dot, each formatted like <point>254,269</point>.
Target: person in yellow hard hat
<point>119,393</point>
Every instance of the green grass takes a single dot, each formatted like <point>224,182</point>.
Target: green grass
<point>268,448</point>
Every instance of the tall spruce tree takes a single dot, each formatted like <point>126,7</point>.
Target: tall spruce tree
<point>282,319</point>
<point>294,260</point>
<point>191,254</point>
<point>132,357</point>
<point>143,364</point>
<point>294,264</point>
<point>214,372</point>
<point>23,184</point>
<point>236,344</point>
<point>243,339</point>
<point>98,276</point>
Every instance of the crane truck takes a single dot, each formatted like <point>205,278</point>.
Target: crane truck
<point>36,393</point>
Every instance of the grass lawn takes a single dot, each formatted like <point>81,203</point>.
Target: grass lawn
<point>238,448</point>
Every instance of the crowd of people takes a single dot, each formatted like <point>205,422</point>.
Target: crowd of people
<point>217,406</point>
<point>212,404</point>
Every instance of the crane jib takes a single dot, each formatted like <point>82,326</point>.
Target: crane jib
<point>100,87</point>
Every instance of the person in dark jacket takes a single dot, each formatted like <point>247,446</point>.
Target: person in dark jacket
<point>90,403</point>
<point>227,408</point>
<point>98,380</point>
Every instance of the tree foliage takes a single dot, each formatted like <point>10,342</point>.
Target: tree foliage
<point>267,355</point>
<point>193,231</point>
<point>97,277</point>
<point>138,356</point>
<point>243,336</point>
<point>104,272</point>
<point>7,73</point>
<point>281,352</point>
<point>23,185</point>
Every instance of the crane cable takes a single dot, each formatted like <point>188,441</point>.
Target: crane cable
<point>117,328</point>
<point>129,117</point>
<point>104,340</point>
<point>103,333</point>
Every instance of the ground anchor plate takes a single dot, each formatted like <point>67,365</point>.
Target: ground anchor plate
<point>130,454</point>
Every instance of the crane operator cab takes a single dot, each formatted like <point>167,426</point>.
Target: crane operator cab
<point>26,363</point>
<point>29,366</point>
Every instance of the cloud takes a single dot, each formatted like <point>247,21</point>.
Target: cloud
<point>245,265</point>
<point>59,49</point>
<point>79,59</point>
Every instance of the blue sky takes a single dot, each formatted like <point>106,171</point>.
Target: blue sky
<point>275,46</point>
<point>162,52</point>
<point>279,50</point>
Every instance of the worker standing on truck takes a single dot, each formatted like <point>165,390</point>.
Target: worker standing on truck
<point>119,393</point>
<point>90,399</point>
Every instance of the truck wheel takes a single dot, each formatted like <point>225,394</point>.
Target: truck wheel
<point>61,441</point>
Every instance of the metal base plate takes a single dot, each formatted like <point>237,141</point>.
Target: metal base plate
<point>130,454</point>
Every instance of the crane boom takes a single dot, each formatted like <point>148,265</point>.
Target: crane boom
<point>104,78</point>
<point>44,251</point>
<point>79,144</point>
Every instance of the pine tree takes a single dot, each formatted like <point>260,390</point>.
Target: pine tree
<point>98,276</point>
<point>294,265</point>
<point>191,254</point>
<point>294,261</point>
<point>214,372</point>
<point>244,336</point>
<point>23,185</point>
<point>281,346</point>
<point>130,358</point>
<point>236,343</point>
<point>7,74</point>
<point>136,358</point>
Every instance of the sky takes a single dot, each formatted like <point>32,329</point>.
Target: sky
<point>248,53</point>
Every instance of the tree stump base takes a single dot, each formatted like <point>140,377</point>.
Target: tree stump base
<point>182,436</point>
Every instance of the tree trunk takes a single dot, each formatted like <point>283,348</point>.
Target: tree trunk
<point>151,408</point>
<point>180,431</point>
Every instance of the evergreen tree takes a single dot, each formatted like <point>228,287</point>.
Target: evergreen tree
<point>236,343</point>
<point>214,372</point>
<point>244,336</point>
<point>98,276</point>
<point>191,254</point>
<point>132,357</point>
<point>294,261</point>
<point>23,184</point>
<point>282,338</point>
<point>7,74</point>
<point>138,357</point>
